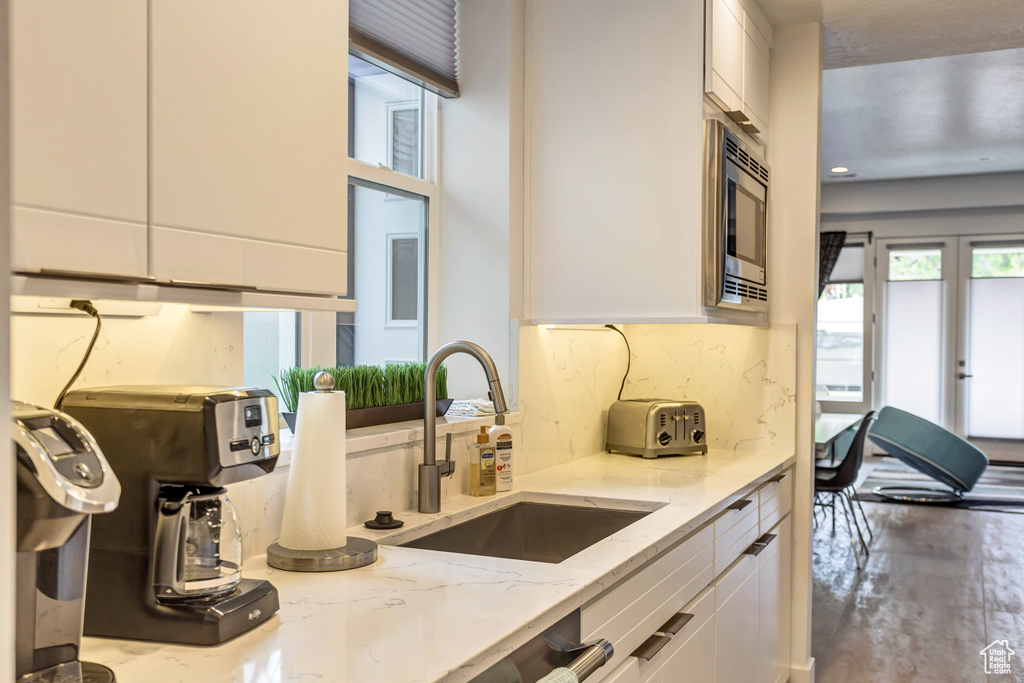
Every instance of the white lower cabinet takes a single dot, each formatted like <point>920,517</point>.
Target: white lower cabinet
<point>737,622</point>
<point>715,608</point>
<point>690,656</point>
<point>774,611</point>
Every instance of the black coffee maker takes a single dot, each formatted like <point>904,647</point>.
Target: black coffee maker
<point>166,565</point>
<point>63,480</point>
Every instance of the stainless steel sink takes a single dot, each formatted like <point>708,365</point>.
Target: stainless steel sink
<point>539,532</point>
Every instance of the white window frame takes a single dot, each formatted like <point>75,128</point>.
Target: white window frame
<point>389,299</point>
<point>868,363</point>
<point>426,187</point>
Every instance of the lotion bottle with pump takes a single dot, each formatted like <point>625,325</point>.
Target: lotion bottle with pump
<point>481,467</point>
<point>501,439</point>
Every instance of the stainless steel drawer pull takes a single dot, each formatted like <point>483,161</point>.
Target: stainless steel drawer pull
<point>755,548</point>
<point>676,623</point>
<point>740,504</point>
<point>593,658</point>
<point>651,647</point>
<point>778,477</point>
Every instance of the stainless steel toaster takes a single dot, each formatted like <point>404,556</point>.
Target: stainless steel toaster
<point>652,427</point>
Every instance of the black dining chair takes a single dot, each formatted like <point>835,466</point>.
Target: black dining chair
<point>838,481</point>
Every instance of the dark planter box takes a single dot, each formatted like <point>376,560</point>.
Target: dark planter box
<point>383,415</point>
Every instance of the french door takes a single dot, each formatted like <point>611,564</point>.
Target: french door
<point>951,335</point>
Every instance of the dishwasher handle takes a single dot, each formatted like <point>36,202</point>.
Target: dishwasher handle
<point>592,657</point>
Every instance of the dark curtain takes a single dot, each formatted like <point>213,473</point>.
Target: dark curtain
<point>831,243</point>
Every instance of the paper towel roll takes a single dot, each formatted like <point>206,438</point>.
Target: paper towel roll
<point>314,506</point>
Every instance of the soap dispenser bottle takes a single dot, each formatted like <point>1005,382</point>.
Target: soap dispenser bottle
<point>481,468</point>
<point>501,439</point>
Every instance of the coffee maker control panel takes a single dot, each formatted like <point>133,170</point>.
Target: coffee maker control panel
<point>247,430</point>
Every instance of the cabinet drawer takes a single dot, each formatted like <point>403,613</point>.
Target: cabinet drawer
<point>614,601</point>
<point>627,672</point>
<point>628,629</point>
<point>734,514</point>
<point>730,544</point>
<point>690,655</point>
<point>776,500</point>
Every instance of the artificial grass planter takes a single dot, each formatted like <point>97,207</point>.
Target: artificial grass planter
<point>373,395</point>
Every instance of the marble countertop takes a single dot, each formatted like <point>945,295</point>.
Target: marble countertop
<point>419,615</point>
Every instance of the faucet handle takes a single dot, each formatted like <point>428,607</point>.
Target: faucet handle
<point>447,465</point>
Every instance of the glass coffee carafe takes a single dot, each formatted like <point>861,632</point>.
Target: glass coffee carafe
<point>198,551</point>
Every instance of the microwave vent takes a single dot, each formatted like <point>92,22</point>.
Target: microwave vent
<point>752,292</point>
<point>745,160</point>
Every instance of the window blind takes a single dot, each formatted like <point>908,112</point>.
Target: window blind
<point>414,39</point>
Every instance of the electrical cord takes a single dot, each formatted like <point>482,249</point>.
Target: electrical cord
<point>87,307</point>
<point>629,357</point>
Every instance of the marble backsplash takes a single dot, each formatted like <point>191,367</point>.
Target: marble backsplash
<point>744,377</point>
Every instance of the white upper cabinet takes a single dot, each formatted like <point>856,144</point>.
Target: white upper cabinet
<point>614,155</point>
<point>723,69</point>
<point>248,149</point>
<point>79,136</point>
<point>756,55</point>
<point>737,51</point>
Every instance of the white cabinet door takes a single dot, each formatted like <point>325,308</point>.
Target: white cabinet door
<point>756,54</point>
<point>249,139</point>
<point>723,61</point>
<point>691,654</point>
<point>737,622</point>
<point>79,136</point>
<point>615,176</point>
<point>773,652</point>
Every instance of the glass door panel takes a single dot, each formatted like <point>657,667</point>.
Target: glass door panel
<point>913,347</point>
<point>917,314</point>
<point>995,392</point>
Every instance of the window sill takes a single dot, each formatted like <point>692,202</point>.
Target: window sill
<point>397,434</point>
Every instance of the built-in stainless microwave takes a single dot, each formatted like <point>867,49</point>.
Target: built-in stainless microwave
<point>735,222</point>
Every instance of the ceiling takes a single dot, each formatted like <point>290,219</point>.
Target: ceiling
<point>919,88</point>
<point>942,116</point>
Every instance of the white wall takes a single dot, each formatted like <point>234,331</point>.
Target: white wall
<point>952,205</point>
<point>794,152</point>
<point>475,199</point>
<point>7,473</point>
<point>920,194</point>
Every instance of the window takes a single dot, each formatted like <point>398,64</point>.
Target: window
<point>271,343</point>
<point>997,262</point>
<point>403,279</point>
<point>392,200</point>
<point>840,330</point>
<point>915,264</point>
<point>404,144</point>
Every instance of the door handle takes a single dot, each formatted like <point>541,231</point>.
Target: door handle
<point>778,477</point>
<point>740,504</point>
<point>651,647</point>
<point>963,376</point>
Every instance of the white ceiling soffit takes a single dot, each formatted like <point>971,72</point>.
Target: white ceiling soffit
<point>859,32</point>
<point>787,12</point>
<point>955,115</point>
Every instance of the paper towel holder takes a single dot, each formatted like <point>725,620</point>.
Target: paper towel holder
<point>357,552</point>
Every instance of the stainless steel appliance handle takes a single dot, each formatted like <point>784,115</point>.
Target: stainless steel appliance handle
<point>594,656</point>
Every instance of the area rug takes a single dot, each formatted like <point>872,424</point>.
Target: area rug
<point>1000,489</point>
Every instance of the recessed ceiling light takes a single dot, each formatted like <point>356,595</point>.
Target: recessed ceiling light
<point>840,169</point>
